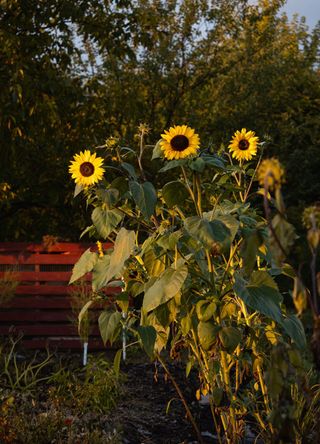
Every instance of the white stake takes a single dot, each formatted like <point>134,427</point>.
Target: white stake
<point>124,338</point>
<point>85,353</point>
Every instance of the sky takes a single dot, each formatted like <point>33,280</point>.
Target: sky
<point>309,8</point>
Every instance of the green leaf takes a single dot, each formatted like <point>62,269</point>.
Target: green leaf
<point>260,294</point>
<point>294,328</point>
<point>250,249</point>
<point>148,337</point>
<point>77,190</point>
<point>144,196</point>
<point>109,196</point>
<point>207,333</point>
<point>120,184</point>
<point>109,325</point>
<point>166,286</point>
<point>230,337</point>
<point>197,165</point>
<point>105,220</point>
<point>129,169</point>
<point>84,265</point>
<point>205,310</point>
<point>117,362</point>
<point>214,162</point>
<point>173,164</point>
<point>207,232</point>
<point>99,273</point>
<point>186,324</point>
<point>83,313</point>
<point>174,193</point>
<point>91,230</point>
<point>162,332</point>
<point>123,248</point>
<point>157,151</point>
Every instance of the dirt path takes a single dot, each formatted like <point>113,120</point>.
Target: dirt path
<point>141,413</point>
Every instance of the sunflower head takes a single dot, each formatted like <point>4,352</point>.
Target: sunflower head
<point>311,216</point>
<point>243,145</point>
<point>179,142</point>
<point>270,173</point>
<point>86,169</point>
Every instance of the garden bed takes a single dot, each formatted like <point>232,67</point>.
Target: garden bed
<point>67,407</point>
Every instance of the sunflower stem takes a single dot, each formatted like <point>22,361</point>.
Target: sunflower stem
<point>198,187</point>
<point>190,190</point>
<point>253,176</point>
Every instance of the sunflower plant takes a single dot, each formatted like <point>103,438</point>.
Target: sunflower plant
<point>195,261</point>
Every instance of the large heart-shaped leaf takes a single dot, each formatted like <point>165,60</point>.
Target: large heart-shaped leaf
<point>261,294</point>
<point>145,197</point>
<point>148,336</point>
<point>207,232</point>
<point>84,265</point>
<point>123,248</point>
<point>109,325</point>
<point>166,286</point>
<point>174,193</point>
<point>294,328</point>
<point>106,220</point>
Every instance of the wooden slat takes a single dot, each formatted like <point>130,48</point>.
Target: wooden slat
<point>44,276</point>
<point>7,316</point>
<point>58,290</point>
<point>43,289</point>
<point>45,330</point>
<point>57,248</point>
<point>40,259</point>
<point>35,302</point>
<point>39,302</point>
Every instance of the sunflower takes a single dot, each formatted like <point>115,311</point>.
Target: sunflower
<point>179,142</point>
<point>243,145</point>
<point>86,168</point>
<point>270,173</point>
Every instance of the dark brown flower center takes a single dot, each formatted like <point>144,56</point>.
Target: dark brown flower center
<point>86,169</point>
<point>179,143</point>
<point>243,144</point>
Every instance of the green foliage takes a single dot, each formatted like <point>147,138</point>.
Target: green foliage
<point>201,270</point>
<point>67,403</point>
<point>24,376</point>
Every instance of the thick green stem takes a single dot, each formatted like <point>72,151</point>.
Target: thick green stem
<point>198,187</point>
<point>190,190</point>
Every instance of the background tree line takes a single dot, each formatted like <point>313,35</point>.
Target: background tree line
<point>73,73</point>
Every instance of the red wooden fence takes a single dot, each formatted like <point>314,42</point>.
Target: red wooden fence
<point>41,308</point>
